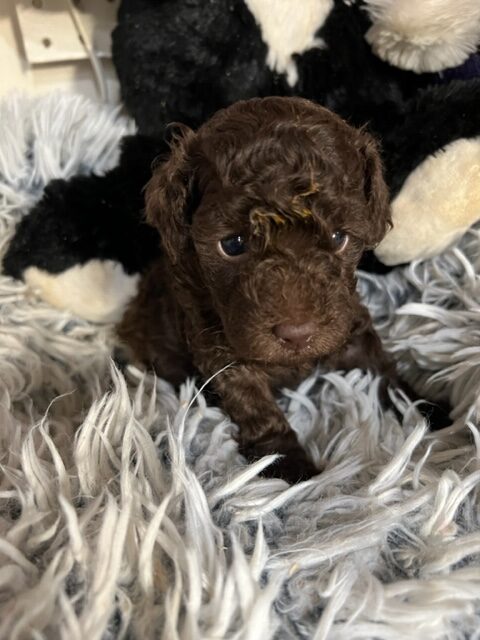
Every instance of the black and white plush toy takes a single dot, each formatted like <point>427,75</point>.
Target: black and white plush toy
<point>84,245</point>
<point>184,59</point>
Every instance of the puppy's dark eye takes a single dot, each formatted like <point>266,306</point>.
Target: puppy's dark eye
<point>339,240</point>
<point>233,246</point>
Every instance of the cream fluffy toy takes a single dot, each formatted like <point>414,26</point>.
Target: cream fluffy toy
<point>424,35</point>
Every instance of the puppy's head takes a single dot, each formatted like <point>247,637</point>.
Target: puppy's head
<point>268,207</point>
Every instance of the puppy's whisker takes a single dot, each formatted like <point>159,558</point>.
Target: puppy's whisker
<point>193,400</point>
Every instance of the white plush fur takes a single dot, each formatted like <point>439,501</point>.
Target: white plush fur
<point>438,202</point>
<point>98,291</point>
<point>424,35</point>
<point>289,27</point>
<point>127,512</point>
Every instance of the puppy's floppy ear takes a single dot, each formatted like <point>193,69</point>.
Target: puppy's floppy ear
<point>168,194</point>
<point>376,191</point>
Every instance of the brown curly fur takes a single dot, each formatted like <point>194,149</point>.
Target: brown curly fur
<point>286,174</point>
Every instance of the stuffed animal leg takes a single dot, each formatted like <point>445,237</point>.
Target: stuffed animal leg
<point>424,35</point>
<point>84,244</point>
<point>433,169</point>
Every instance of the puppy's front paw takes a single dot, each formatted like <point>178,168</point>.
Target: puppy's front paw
<point>292,468</point>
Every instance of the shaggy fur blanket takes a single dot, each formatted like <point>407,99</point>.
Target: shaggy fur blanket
<point>127,512</point>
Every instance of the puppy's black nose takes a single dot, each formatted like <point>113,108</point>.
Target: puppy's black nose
<point>295,336</point>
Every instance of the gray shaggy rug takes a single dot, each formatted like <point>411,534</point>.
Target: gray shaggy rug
<point>127,512</point>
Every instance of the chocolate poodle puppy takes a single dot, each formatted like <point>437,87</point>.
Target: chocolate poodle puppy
<point>263,215</point>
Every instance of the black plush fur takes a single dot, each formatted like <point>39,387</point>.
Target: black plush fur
<point>181,60</point>
<point>91,217</point>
